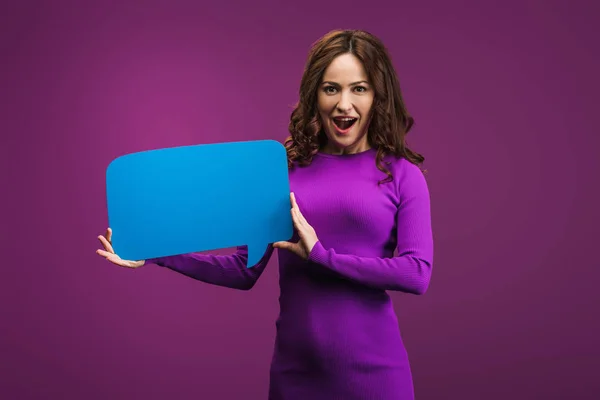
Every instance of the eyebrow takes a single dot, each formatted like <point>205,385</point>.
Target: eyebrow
<point>337,84</point>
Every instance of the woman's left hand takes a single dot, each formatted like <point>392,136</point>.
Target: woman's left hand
<point>308,236</point>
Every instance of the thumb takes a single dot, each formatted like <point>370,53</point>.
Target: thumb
<point>285,245</point>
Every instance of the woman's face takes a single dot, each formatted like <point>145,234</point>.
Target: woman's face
<point>344,102</point>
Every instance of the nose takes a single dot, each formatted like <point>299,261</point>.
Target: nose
<point>344,105</point>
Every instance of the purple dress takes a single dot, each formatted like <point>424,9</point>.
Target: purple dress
<point>337,332</point>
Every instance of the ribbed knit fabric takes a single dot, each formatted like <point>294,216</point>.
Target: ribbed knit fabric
<point>337,333</point>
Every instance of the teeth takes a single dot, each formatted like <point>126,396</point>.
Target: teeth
<point>344,122</point>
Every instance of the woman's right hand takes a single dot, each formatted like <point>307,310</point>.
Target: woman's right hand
<point>110,255</point>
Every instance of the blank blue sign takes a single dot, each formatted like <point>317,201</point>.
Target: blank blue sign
<point>196,198</point>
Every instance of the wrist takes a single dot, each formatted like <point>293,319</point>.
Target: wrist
<point>314,250</point>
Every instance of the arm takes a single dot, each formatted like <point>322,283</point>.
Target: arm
<point>410,271</point>
<point>227,271</point>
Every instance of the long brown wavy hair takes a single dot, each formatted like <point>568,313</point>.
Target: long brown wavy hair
<point>390,121</point>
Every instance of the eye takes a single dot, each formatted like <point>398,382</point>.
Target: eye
<point>329,89</point>
<point>361,89</point>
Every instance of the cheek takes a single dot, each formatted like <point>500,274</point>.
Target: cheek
<point>324,105</point>
<point>365,107</point>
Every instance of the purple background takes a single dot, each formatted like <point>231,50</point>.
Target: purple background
<point>505,100</point>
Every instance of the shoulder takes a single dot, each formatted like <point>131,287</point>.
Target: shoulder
<point>404,167</point>
<point>294,166</point>
<point>409,179</point>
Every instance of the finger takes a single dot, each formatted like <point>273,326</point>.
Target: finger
<point>109,235</point>
<point>286,246</point>
<point>108,255</point>
<point>301,221</point>
<point>297,220</point>
<point>299,214</point>
<point>113,258</point>
<point>103,253</point>
<point>293,200</point>
<point>106,244</point>
<point>282,245</point>
<point>295,206</point>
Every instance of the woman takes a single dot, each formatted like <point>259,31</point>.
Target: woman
<point>360,196</point>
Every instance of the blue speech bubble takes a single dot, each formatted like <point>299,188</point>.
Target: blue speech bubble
<point>196,198</point>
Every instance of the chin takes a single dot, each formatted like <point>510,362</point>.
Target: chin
<point>342,142</point>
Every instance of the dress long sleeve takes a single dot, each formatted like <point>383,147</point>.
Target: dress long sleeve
<point>227,271</point>
<point>410,271</point>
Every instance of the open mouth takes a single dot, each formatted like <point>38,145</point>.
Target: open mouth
<point>344,123</point>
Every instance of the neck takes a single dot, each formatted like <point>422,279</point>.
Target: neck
<point>360,147</point>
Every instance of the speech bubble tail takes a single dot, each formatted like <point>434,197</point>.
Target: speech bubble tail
<point>255,254</point>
